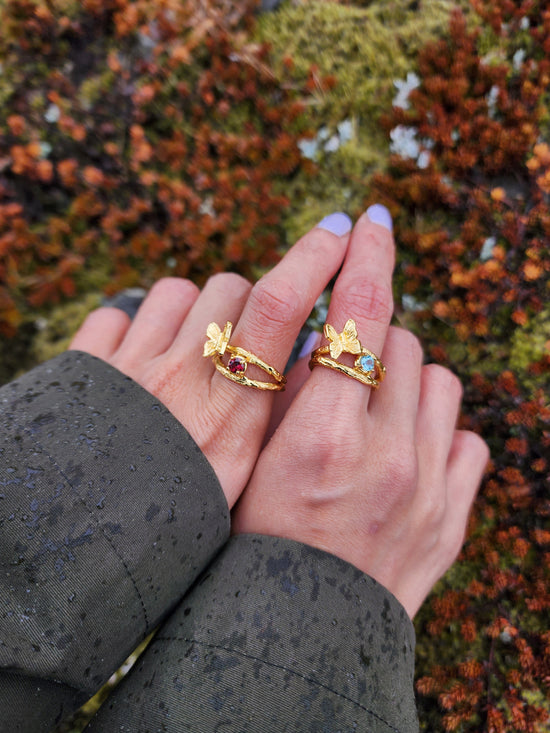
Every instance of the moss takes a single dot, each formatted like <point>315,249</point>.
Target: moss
<point>54,333</point>
<point>94,88</point>
<point>366,49</point>
<point>97,272</point>
<point>337,185</point>
<point>539,699</point>
<point>525,346</point>
<point>531,342</point>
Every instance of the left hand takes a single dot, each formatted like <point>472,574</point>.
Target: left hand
<point>162,349</point>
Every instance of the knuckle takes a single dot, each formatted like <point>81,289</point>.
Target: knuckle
<point>330,447</point>
<point>402,471</point>
<point>275,303</point>
<point>371,299</point>
<point>434,509</point>
<point>337,448</point>
<point>95,316</point>
<point>163,283</point>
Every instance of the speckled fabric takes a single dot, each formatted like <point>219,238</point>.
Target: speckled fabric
<point>275,636</point>
<point>108,512</point>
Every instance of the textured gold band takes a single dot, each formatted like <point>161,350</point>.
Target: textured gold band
<point>218,344</point>
<point>367,368</point>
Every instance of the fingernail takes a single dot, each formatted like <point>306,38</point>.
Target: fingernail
<point>309,344</point>
<point>337,223</point>
<point>378,214</point>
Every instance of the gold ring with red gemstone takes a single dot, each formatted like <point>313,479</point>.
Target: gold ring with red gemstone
<point>367,367</point>
<point>239,359</point>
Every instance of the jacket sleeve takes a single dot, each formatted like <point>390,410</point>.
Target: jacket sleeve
<point>108,512</point>
<point>275,636</point>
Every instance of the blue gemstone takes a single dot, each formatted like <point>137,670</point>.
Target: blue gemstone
<point>366,363</point>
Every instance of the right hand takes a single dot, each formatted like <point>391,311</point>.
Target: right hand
<point>381,478</point>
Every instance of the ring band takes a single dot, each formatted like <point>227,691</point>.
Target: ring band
<point>218,344</point>
<point>367,367</point>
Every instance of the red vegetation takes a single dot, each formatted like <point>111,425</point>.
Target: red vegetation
<point>144,138</point>
<point>474,225</point>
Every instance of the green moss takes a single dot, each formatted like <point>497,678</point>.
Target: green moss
<point>530,343</point>
<point>338,184</point>
<point>97,272</point>
<point>526,345</point>
<point>54,333</point>
<point>366,49</point>
<point>93,88</point>
<point>539,699</point>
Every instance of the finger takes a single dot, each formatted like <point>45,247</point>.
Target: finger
<point>222,299</point>
<point>467,462</point>
<point>296,378</point>
<point>158,319</point>
<point>395,403</point>
<point>281,301</point>
<point>363,292</point>
<point>438,407</point>
<point>102,332</point>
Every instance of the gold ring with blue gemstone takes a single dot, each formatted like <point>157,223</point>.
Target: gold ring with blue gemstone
<point>367,367</point>
<point>239,359</point>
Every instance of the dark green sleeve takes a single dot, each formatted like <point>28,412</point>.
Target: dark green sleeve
<point>275,636</point>
<point>108,512</point>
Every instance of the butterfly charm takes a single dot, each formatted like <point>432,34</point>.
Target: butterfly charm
<point>217,339</point>
<point>346,341</point>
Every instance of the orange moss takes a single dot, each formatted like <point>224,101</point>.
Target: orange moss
<point>166,150</point>
<point>474,249</point>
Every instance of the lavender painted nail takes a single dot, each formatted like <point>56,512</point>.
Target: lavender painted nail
<point>337,223</point>
<point>378,214</point>
<point>309,344</point>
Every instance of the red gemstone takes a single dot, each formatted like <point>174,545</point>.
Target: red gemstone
<point>236,365</point>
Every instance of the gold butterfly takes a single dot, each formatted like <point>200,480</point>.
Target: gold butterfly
<point>346,341</point>
<point>217,339</point>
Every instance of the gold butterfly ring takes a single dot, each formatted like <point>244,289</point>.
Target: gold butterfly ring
<point>367,367</point>
<point>218,345</point>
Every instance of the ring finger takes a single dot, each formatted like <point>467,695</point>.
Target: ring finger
<point>363,292</point>
<point>278,304</point>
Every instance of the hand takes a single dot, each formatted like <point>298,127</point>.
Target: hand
<point>380,478</point>
<point>162,348</point>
